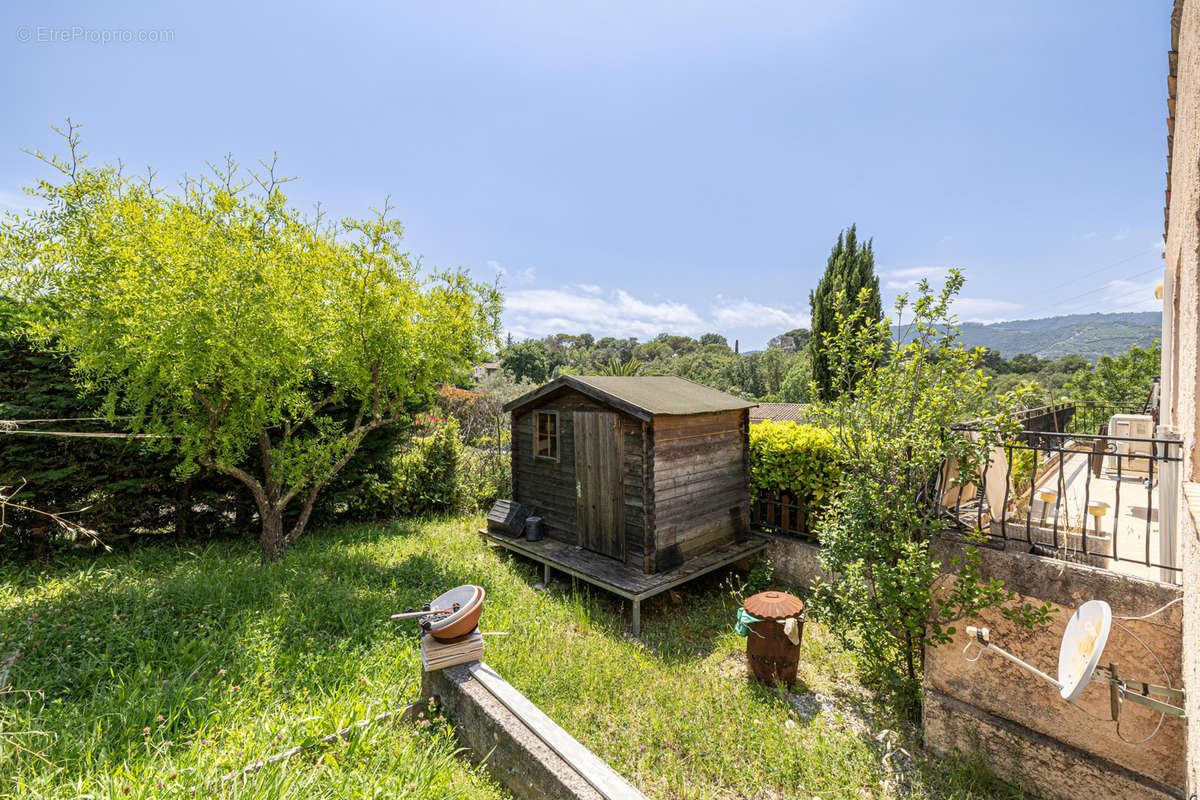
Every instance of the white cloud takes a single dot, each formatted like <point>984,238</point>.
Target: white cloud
<point>746,313</point>
<point>1121,235</point>
<point>539,312</point>
<point>902,280</point>
<point>1089,235</point>
<point>524,276</point>
<point>586,307</point>
<point>1127,295</point>
<point>1159,245</point>
<point>984,309</point>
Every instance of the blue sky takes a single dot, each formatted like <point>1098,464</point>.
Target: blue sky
<point>636,168</point>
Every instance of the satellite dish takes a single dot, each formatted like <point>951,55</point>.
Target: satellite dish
<point>1078,658</point>
<point>1082,644</point>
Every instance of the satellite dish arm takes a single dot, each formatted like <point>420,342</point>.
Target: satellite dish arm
<point>981,637</point>
<point>1138,692</point>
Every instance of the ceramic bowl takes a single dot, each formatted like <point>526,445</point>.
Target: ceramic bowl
<point>451,626</point>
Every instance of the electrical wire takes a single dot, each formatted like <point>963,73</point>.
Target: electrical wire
<point>1101,270</point>
<point>61,419</point>
<point>1064,302</point>
<point>82,435</point>
<point>1166,682</point>
<point>1152,613</point>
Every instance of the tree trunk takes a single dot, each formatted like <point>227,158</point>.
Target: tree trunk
<point>273,543</point>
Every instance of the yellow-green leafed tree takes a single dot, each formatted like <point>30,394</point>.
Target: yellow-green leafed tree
<point>222,320</point>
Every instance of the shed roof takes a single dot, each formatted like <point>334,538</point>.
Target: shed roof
<point>780,412</point>
<point>642,396</point>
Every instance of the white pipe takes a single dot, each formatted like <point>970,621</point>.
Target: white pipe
<point>1169,488</point>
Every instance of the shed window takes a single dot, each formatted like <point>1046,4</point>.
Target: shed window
<point>546,445</point>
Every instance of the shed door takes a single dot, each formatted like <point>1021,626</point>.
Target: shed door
<point>599,496</point>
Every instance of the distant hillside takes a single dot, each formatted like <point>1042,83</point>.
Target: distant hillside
<point>1088,335</point>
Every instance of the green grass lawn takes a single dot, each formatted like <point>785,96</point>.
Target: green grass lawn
<point>153,672</point>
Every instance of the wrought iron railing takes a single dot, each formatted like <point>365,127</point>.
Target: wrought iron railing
<point>1069,487</point>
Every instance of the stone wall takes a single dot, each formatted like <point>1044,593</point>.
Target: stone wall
<point>1017,723</point>
<point>795,560</point>
<point>1020,726</point>
<point>1189,547</point>
<point>1180,405</point>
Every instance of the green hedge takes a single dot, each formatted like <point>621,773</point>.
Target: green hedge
<point>122,488</point>
<point>117,487</point>
<point>800,460</point>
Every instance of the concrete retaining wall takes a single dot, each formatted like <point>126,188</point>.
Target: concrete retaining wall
<point>518,744</point>
<point>501,742</point>
<point>795,560</point>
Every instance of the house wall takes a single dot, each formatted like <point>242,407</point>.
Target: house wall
<point>700,484</point>
<point>1181,335</point>
<point>1020,726</point>
<point>549,486</point>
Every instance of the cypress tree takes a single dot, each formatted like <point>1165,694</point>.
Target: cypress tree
<point>850,269</point>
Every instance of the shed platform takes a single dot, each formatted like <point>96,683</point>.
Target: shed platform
<point>622,580</point>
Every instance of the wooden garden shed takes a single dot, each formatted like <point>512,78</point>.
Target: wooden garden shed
<point>642,482</point>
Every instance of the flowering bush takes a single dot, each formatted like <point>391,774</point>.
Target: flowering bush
<point>426,422</point>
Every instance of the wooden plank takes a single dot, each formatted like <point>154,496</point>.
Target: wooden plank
<point>700,444</point>
<point>633,542</point>
<point>729,473</point>
<point>514,456</point>
<point>746,460</point>
<point>686,463</point>
<point>714,559</point>
<point>648,541</point>
<point>728,485</point>
<point>603,778</point>
<point>696,540</point>
<point>621,579</point>
<point>700,502</point>
<point>700,435</point>
<point>599,471</point>
<point>614,489</point>
<point>670,426</point>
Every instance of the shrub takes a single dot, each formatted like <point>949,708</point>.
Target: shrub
<point>422,478</point>
<point>798,459</point>
<point>890,424</point>
<point>484,477</point>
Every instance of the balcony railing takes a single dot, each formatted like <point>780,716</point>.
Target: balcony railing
<point>1090,482</point>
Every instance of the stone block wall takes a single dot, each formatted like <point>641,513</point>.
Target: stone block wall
<point>1019,725</point>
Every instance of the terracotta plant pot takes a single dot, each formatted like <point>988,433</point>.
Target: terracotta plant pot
<point>447,627</point>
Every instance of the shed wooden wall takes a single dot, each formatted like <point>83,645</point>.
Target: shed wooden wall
<point>700,497</point>
<point>549,486</point>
